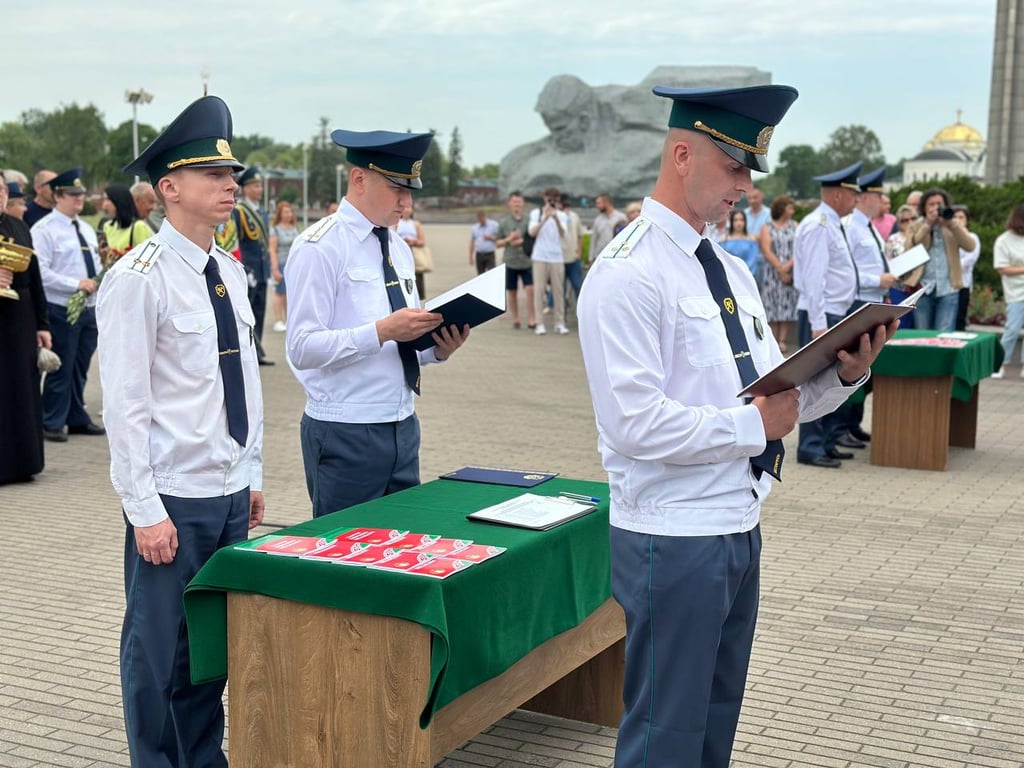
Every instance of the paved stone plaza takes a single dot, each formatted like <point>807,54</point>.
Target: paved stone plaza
<point>892,614</point>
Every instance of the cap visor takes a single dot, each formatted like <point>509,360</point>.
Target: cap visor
<point>407,183</point>
<point>749,159</point>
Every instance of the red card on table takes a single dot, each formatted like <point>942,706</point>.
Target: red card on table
<point>403,561</point>
<point>372,535</point>
<point>414,541</point>
<point>477,553</point>
<point>445,547</point>
<point>440,567</point>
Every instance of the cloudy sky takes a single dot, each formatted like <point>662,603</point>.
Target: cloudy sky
<point>901,68</point>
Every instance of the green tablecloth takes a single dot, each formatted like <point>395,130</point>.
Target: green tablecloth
<point>482,620</point>
<point>967,365</point>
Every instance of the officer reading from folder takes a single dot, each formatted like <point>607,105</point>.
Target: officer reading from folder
<point>352,308</point>
<point>672,327</point>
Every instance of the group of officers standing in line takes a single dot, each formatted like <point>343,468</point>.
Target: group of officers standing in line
<point>670,326</point>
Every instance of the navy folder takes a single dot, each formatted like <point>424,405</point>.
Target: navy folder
<point>520,478</point>
<point>474,302</point>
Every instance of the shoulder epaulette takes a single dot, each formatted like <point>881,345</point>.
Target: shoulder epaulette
<point>824,220</point>
<point>144,257</point>
<point>226,253</point>
<point>624,242</point>
<point>318,230</point>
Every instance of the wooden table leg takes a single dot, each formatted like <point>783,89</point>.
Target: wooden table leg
<point>910,421</point>
<point>963,421</point>
<point>321,688</point>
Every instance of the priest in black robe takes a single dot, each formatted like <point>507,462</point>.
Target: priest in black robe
<point>23,329</point>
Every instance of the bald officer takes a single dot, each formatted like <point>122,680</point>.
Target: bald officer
<point>672,328</point>
<point>352,306</point>
<point>826,277</point>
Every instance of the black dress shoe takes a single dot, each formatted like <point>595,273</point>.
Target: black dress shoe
<point>55,435</point>
<point>87,429</point>
<point>832,453</point>
<point>849,441</point>
<point>822,461</point>
<point>861,435</point>
<point>264,361</point>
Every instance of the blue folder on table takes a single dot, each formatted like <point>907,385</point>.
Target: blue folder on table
<point>521,478</point>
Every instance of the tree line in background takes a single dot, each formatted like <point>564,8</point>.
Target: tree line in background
<point>72,135</point>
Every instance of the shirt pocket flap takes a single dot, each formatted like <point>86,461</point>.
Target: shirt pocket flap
<point>245,313</point>
<point>362,274</point>
<point>702,307</point>
<point>750,305</point>
<point>194,322</point>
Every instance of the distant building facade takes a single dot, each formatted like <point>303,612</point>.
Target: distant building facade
<point>956,150</point>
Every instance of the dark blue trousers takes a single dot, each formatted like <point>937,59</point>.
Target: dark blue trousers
<point>64,390</point>
<point>819,436</point>
<point>347,464</point>
<point>171,723</point>
<point>691,607</point>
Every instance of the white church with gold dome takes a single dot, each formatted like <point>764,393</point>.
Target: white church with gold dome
<point>956,150</point>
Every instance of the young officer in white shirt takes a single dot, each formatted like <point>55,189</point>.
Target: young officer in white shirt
<point>352,306</point>
<point>684,454</point>
<point>184,416</point>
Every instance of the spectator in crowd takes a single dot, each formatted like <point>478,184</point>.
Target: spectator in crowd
<point>606,225</point>
<point>633,210</point>
<point>741,244</point>
<point>410,230</point>
<point>548,226</point>
<point>42,203</point>
<point>572,248</point>
<point>756,214</point>
<point>123,229</point>
<point>482,242</point>
<point>914,201</point>
<point>884,221</point>
<point>24,328</point>
<point>776,283</point>
<point>1008,259</point>
<point>518,268</point>
<point>943,238</point>
<point>720,230</point>
<point>896,244</point>
<point>968,258</point>
<point>146,206</point>
<point>283,231</point>
<point>332,207</point>
<point>16,205</point>
<point>69,262</point>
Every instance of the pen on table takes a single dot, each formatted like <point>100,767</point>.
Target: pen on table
<point>579,497</point>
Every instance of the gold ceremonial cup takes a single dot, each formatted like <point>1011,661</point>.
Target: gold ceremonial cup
<point>15,258</point>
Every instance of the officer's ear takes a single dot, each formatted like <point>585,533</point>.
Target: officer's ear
<point>167,187</point>
<point>357,180</point>
<point>681,151</point>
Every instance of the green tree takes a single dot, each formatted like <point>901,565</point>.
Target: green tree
<point>121,149</point>
<point>324,158</point>
<point>798,163</point>
<point>21,149</point>
<point>850,143</point>
<point>485,171</point>
<point>454,163</point>
<point>431,173</point>
<point>74,135</point>
<point>289,194</point>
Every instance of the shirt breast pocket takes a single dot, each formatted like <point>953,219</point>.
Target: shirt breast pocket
<point>195,335</point>
<point>365,288</point>
<point>755,328</point>
<point>703,332</point>
<point>245,330</point>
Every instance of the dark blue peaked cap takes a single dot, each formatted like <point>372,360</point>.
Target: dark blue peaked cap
<point>70,181</point>
<point>397,156</point>
<point>872,181</point>
<point>846,178</point>
<point>739,120</point>
<point>199,137</point>
<point>252,173</point>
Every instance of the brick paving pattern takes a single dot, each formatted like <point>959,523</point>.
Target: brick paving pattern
<point>892,614</point>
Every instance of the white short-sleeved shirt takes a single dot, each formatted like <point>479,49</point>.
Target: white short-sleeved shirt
<point>823,270</point>
<point>61,260</point>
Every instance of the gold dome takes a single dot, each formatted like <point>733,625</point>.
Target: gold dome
<point>958,135</point>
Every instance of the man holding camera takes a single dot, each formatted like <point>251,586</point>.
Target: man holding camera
<point>943,238</point>
<point>547,226</point>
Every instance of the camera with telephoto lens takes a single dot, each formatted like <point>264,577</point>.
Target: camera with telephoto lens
<point>946,213</point>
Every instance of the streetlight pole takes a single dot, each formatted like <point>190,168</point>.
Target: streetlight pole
<point>140,96</point>
<point>305,187</point>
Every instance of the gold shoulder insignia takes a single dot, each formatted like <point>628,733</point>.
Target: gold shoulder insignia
<point>144,257</point>
<point>318,230</point>
<point>623,243</point>
<point>824,220</point>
